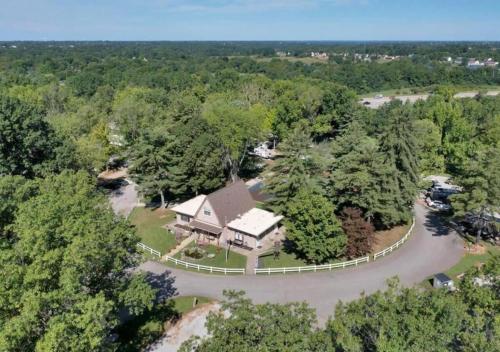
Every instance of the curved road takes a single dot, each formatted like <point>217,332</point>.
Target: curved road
<point>431,248</point>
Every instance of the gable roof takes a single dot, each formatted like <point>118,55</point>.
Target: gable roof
<point>191,206</point>
<point>231,201</point>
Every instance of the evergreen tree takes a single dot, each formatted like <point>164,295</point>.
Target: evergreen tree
<point>313,229</point>
<point>292,170</point>
<point>149,165</point>
<point>480,195</point>
<point>360,178</point>
<point>400,149</point>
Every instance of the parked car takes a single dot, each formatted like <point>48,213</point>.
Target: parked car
<point>441,206</point>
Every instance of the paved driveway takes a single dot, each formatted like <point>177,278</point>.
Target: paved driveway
<point>432,248</point>
<point>125,199</point>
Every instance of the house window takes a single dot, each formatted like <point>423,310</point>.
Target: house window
<point>185,218</point>
<point>238,236</point>
<point>207,211</point>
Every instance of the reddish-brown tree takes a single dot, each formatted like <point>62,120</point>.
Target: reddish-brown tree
<point>360,233</point>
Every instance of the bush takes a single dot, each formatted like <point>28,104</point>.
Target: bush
<point>194,252</point>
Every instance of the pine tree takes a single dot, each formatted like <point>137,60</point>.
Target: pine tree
<point>292,170</point>
<point>400,150</point>
<point>360,178</point>
<point>149,167</point>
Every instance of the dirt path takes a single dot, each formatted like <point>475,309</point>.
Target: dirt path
<point>192,323</point>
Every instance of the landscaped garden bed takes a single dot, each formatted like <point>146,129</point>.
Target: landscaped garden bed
<point>213,256</point>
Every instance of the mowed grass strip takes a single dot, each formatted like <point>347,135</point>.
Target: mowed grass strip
<point>284,260</point>
<point>150,227</point>
<point>184,304</point>
<point>470,260</point>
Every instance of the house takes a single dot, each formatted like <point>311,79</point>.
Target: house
<point>442,280</point>
<point>490,63</point>
<point>473,63</point>
<point>228,215</point>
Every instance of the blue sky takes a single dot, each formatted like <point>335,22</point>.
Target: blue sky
<point>249,19</point>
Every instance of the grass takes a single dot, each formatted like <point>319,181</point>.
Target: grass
<point>184,304</point>
<point>471,260</point>
<point>235,260</point>
<point>149,224</point>
<point>284,260</point>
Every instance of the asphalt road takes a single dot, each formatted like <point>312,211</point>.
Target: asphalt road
<point>376,103</point>
<point>432,248</point>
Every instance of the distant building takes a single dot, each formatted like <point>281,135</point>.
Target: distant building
<point>490,63</point>
<point>318,55</point>
<point>473,63</point>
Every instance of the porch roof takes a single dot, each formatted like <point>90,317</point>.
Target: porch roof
<point>191,206</point>
<point>205,227</point>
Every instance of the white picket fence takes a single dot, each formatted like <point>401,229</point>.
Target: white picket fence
<point>199,267</point>
<point>149,249</point>
<point>395,245</point>
<point>314,268</point>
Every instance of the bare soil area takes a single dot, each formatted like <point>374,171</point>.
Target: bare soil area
<point>387,238</point>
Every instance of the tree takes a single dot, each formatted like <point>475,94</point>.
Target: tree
<point>27,142</point>
<point>293,168</point>
<point>149,165</point>
<point>480,195</point>
<point>236,126</point>
<point>359,232</point>
<point>398,320</point>
<point>197,159</point>
<point>361,178</point>
<point>13,191</point>
<point>67,270</point>
<point>312,227</point>
<point>399,147</point>
<point>266,327</point>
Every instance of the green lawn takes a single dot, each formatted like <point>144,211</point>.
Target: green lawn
<point>184,304</point>
<point>149,224</point>
<point>470,260</point>
<point>235,260</point>
<point>285,260</point>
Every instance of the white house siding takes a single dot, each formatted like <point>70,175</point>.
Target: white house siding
<point>180,221</point>
<point>248,240</point>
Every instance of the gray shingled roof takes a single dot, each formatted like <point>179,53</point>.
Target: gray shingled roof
<point>231,201</point>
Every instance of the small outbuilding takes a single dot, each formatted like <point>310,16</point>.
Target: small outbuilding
<point>442,280</point>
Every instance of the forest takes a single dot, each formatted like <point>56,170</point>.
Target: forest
<point>183,118</point>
